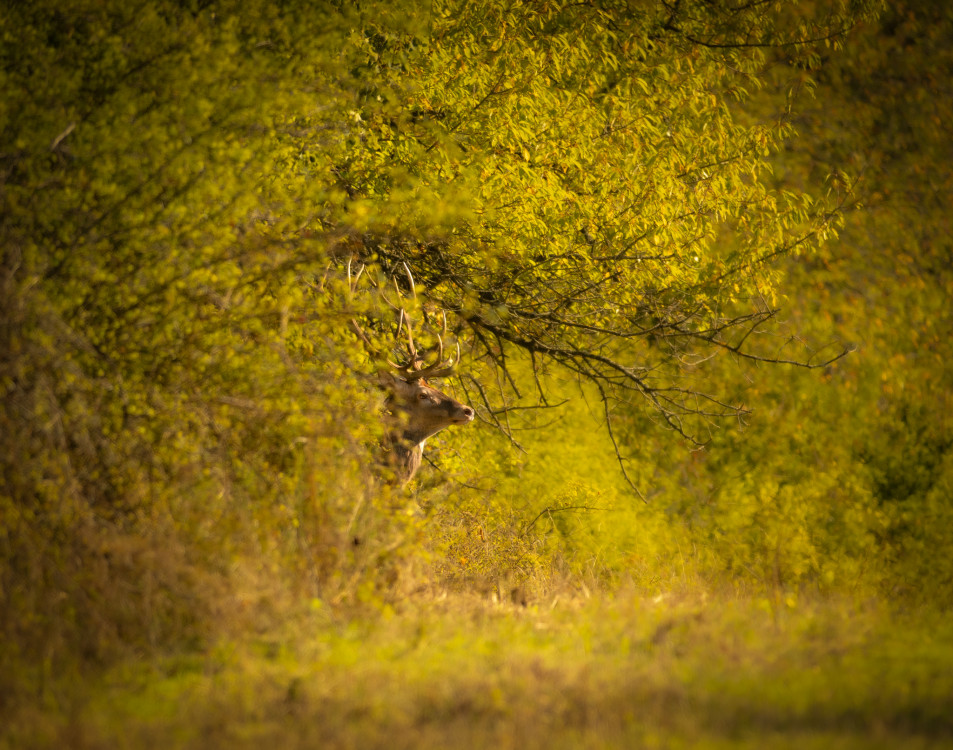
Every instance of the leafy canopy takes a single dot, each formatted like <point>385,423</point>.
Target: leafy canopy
<point>183,187</point>
<point>572,183</point>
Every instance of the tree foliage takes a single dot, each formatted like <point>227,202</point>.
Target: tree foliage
<point>608,211</point>
<point>634,206</point>
<point>841,479</point>
<point>161,412</point>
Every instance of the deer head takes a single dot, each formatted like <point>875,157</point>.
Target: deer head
<point>421,410</point>
<point>418,410</point>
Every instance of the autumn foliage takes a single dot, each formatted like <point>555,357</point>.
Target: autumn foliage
<point>656,231</point>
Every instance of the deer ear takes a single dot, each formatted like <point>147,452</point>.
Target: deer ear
<point>393,383</point>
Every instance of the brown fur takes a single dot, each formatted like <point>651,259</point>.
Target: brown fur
<point>420,411</point>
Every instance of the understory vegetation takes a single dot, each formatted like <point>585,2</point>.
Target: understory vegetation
<point>697,258</point>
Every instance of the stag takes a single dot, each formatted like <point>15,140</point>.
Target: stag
<point>419,410</point>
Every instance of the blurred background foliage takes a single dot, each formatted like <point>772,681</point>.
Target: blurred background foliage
<point>629,214</point>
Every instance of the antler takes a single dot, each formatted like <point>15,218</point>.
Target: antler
<point>413,368</point>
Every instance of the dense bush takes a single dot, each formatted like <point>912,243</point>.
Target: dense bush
<point>629,212</point>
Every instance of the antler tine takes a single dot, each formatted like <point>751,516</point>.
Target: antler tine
<point>400,295</point>
<point>361,335</point>
<point>439,348</point>
<point>445,369</point>
<point>410,336</point>
<point>352,283</point>
<point>412,365</point>
<point>410,278</point>
<point>439,369</point>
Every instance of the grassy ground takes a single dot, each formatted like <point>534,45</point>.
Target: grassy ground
<point>571,672</point>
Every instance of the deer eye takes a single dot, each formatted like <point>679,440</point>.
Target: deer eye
<point>423,396</point>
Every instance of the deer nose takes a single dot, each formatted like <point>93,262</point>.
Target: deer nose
<point>468,412</point>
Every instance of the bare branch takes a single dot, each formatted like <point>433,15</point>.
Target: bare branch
<point>559,509</point>
<point>615,444</point>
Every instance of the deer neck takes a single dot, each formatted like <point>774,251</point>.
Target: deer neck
<point>406,457</point>
<point>409,441</point>
<point>416,438</point>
